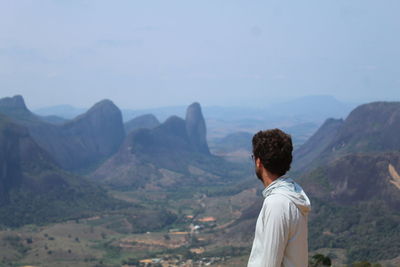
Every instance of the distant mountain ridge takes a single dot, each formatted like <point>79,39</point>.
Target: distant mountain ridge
<point>77,144</point>
<point>316,107</point>
<point>64,111</point>
<point>319,107</point>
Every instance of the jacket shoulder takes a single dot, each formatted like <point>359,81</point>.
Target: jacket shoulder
<point>277,199</point>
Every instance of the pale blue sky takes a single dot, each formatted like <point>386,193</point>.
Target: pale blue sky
<point>219,52</point>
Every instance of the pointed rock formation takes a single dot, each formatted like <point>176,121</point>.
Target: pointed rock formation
<point>196,128</point>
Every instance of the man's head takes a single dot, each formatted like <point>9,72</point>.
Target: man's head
<point>273,150</point>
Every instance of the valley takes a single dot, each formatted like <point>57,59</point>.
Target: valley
<point>131,235</point>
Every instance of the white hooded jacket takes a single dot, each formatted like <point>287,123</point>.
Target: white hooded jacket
<point>281,229</point>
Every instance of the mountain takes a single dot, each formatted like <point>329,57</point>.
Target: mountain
<point>350,171</point>
<point>147,121</point>
<point>99,130</point>
<point>34,190</point>
<point>78,144</point>
<point>370,127</point>
<point>175,152</point>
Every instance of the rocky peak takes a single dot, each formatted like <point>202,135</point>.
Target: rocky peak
<point>374,115</point>
<point>100,113</point>
<point>196,128</point>
<point>101,128</point>
<point>15,102</point>
<point>371,127</point>
<point>14,107</point>
<point>103,108</point>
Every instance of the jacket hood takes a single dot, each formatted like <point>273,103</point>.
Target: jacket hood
<point>291,190</point>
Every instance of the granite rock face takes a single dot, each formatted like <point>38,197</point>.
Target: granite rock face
<point>196,128</point>
<point>100,129</point>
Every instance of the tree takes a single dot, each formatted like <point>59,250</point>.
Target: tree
<point>319,260</point>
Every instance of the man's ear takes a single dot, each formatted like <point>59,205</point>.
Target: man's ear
<point>258,162</point>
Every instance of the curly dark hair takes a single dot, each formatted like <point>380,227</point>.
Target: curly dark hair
<point>274,149</point>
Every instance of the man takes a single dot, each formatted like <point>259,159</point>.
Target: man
<point>281,229</point>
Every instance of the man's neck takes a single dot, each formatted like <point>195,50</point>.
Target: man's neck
<point>268,178</point>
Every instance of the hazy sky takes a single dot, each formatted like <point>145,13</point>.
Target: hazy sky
<point>148,53</point>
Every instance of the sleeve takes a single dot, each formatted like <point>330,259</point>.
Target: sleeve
<point>271,235</point>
